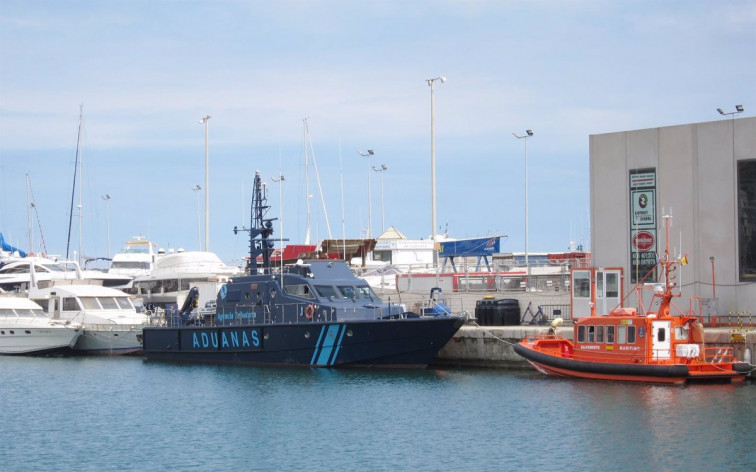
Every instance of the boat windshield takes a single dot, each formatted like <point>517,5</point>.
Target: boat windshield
<point>124,303</point>
<point>326,291</point>
<point>106,303</point>
<point>357,293</point>
<point>136,250</point>
<point>298,290</point>
<point>54,267</point>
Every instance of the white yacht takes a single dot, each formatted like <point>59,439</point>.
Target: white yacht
<point>111,324</point>
<point>169,283</point>
<point>26,330</point>
<point>136,259</point>
<point>15,273</point>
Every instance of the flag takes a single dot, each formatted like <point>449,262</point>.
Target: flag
<point>684,260</point>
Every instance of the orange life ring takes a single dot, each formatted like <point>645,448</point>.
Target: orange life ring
<point>309,311</point>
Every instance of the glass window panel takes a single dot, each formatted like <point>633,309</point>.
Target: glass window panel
<point>631,334</point>
<point>581,334</point>
<point>747,220</point>
<point>610,334</point>
<point>621,334</point>
<point>599,334</point>
<point>108,303</point>
<point>90,303</point>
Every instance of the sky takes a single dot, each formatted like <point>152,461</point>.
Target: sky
<point>145,72</point>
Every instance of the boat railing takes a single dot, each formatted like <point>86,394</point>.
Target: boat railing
<point>117,328</point>
<point>296,313</point>
<point>709,355</point>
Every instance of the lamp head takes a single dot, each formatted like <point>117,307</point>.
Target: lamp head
<point>384,166</point>
<point>720,111</point>
<point>529,131</point>
<point>443,79</point>
<point>739,108</point>
<point>370,151</point>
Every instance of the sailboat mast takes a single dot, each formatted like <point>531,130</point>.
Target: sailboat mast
<point>73,188</point>
<point>307,179</point>
<point>28,216</point>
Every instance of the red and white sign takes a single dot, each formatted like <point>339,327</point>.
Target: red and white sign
<point>643,241</point>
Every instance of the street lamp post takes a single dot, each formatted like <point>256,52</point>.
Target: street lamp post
<point>106,197</point>
<point>433,173</point>
<point>370,210</point>
<point>528,134</point>
<point>204,121</point>
<point>383,168</point>
<point>196,190</point>
<point>738,109</point>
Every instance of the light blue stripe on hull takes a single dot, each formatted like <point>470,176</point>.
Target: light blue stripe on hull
<point>327,341</point>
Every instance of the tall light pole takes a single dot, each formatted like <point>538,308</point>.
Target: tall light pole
<point>738,109</point>
<point>196,190</point>
<point>433,173</point>
<point>383,168</point>
<point>370,210</point>
<point>204,121</point>
<point>528,134</point>
<point>106,197</point>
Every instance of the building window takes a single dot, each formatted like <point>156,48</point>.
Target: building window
<point>747,219</point>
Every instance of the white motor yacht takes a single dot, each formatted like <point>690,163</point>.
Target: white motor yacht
<point>26,330</point>
<point>175,274</point>
<point>15,273</point>
<point>136,259</point>
<point>112,326</point>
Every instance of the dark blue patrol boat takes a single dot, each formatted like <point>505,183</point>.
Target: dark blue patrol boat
<point>314,313</point>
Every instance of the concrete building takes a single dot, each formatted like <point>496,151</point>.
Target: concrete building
<point>704,174</point>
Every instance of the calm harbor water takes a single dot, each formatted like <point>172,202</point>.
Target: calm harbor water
<point>129,414</point>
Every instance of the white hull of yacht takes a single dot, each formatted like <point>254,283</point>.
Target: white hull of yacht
<point>23,339</point>
<point>109,340</point>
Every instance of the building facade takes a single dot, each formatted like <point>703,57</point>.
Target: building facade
<point>704,176</point>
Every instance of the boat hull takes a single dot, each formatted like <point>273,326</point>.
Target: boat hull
<point>405,343</point>
<point>551,364</point>
<point>109,342</point>
<point>26,341</point>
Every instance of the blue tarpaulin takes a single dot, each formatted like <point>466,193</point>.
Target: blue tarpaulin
<point>7,247</point>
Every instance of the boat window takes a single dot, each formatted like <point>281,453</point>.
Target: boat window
<point>326,291</point>
<point>51,268</point>
<point>661,335</point>
<point>621,334</point>
<point>366,292</point>
<point>171,285</point>
<point>610,334</point>
<point>591,334</point>
<point>129,265</point>
<point>631,334</point>
<point>70,304</point>
<point>581,334</point>
<point>124,303</point>
<point>90,303</point>
<point>6,312</point>
<point>681,333</point>
<point>347,291</point>
<point>599,334</point>
<point>298,290</point>
<point>37,312</point>
<point>108,303</point>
